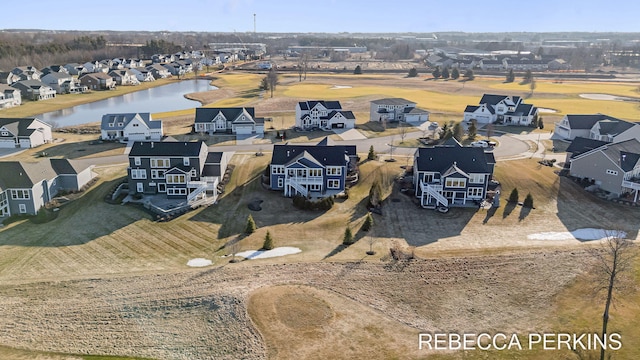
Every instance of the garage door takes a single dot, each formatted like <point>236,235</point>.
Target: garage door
<point>244,130</point>
<point>7,143</point>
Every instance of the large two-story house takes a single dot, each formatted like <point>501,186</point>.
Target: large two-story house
<point>319,170</point>
<point>325,115</point>
<point>24,133</point>
<point>180,170</point>
<point>232,120</point>
<point>34,90</point>
<point>9,96</point>
<point>503,109</point>
<point>98,81</point>
<point>452,175</point>
<point>396,109</point>
<point>597,127</point>
<point>63,83</point>
<point>26,187</point>
<point>131,127</point>
<point>613,167</point>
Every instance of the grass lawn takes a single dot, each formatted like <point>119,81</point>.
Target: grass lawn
<point>7,353</point>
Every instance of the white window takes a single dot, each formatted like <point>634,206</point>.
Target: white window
<point>136,124</point>
<point>474,192</point>
<point>185,161</point>
<point>193,173</point>
<point>23,208</point>
<point>138,174</point>
<point>476,179</point>
<point>176,191</point>
<point>612,172</point>
<point>427,177</point>
<point>315,172</point>
<point>334,170</point>
<point>176,179</point>
<point>280,182</point>
<point>333,184</point>
<point>455,183</point>
<point>140,187</point>
<point>277,169</point>
<point>314,187</point>
<point>160,163</point>
<point>162,187</point>
<point>157,174</point>
<point>5,133</point>
<point>20,194</point>
<point>136,161</point>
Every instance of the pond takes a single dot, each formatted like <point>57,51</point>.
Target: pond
<point>163,98</point>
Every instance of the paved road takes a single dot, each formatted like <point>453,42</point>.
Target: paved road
<point>510,146</point>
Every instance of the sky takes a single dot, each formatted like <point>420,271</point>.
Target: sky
<point>328,16</point>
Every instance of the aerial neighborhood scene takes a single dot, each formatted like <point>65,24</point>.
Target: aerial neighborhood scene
<point>238,180</point>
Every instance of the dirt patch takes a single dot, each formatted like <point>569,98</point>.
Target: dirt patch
<point>302,310</point>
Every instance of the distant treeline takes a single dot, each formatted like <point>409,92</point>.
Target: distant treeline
<point>18,49</point>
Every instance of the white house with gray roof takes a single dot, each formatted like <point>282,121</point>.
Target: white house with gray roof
<point>231,120</point>
<point>26,187</point>
<point>503,109</point>
<point>24,133</point>
<point>597,127</point>
<point>323,114</point>
<point>131,127</point>
<point>396,109</point>
<point>9,96</point>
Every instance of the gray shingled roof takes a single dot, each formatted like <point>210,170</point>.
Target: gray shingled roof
<point>581,145</point>
<point>205,115</point>
<point>582,121</point>
<point>625,153</point>
<point>330,105</point>
<point>126,118</point>
<point>18,127</point>
<point>393,101</point>
<point>173,149</point>
<point>22,175</point>
<point>441,158</point>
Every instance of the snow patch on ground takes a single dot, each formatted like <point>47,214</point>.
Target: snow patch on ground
<point>579,234</point>
<point>199,262</point>
<point>545,110</point>
<point>264,254</point>
<point>335,87</point>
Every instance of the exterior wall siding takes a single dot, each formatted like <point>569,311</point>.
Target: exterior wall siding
<point>595,166</point>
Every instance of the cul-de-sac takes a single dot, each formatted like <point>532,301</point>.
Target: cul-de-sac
<point>195,195</point>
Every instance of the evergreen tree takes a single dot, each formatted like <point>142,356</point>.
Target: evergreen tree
<point>472,131</point>
<point>514,197</point>
<point>413,72</point>
<point>268,242</point>
<point>436,73</point>
<point>368,223</point>
<point>528,76</point>
<point>455,73</point>
<point>528,201</point>
<point>445,73</point>
<point>469,75</point>
<point>251,225</point>
<point>372,153</point>
<point>348,237</point>
<point>458,131</point>
<point>511,77</point>
<point>357,70</point>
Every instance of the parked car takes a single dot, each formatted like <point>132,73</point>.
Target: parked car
<point>480,143</point>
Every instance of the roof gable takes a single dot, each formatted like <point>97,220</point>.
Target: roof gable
<point>441,158</point>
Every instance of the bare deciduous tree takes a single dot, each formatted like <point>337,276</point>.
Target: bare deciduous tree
<point>403,131</point>
<point>613,260</point>
<point>272,79</point>
<point>303,64</point>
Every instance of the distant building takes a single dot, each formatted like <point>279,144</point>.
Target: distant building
<point>131,127</point>
<point>323,114</point>
<point>396,109</point>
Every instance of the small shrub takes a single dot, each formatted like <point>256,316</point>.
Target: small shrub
<point>513,197</point>
<point>348,237</point>
<point>251,225</point>
<point>372,154</point>
<point>268,242</point>
<point>357,70</point>
<point>528,201</point>
<point>368,223</point>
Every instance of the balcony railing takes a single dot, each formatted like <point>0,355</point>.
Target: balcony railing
<point>306,180</point>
